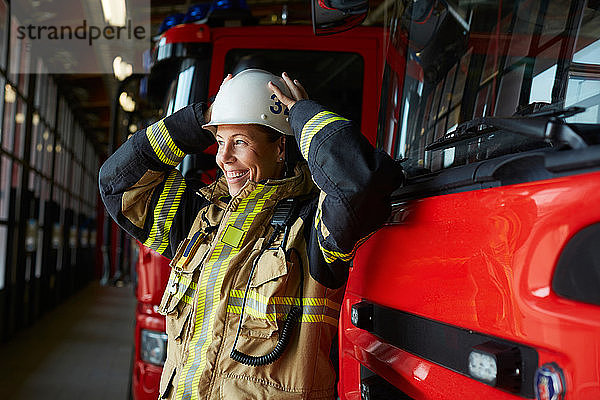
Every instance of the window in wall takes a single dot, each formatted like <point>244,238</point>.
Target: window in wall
<point>41,86</point>
<point>3,33</point>
<point>590,53</point>
<point>447,92</point>
<point>68,169</point>
<point>584,91</point>
<point>10,107</point>
<point>75,185</point>
<point>33,182</point>
<point>554,14</point>
<point>584,78</point>
<point>66,199</point>
<point>46,150</point>
<point>522,35</point>
<point>544,74</point>
<point>37,142</point>
<point>78,143</point>
<point>59,227</point>
<point>57,195</point>
<point>44,196</point>
<point>5,175</point>
<point>67,132</point>
<point>17,172</point>
<point>19,128</point>
<point>59,165</point>
<point>14,50</point>
<point>507,101</point>
<point>49,112</point>
<point>39,252</point>
<point>461,78</point>
<point>3,95</point>
<point>541,86</point>
<point>25,60</point>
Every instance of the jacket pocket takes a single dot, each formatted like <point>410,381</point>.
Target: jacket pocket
<point>272,265</point>
<point>181,287</point>
<point>175,324</point>
<point>263,306</point>
<point>179,292</point>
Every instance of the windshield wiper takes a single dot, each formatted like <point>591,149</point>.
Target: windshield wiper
<point>546,125</point>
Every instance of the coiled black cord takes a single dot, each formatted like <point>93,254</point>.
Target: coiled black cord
<point>284,337</point>
<point>288,325</point>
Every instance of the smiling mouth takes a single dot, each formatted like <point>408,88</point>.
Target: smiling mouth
<point>236,176</point>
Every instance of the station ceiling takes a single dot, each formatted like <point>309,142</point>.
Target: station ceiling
<point>91,95</point>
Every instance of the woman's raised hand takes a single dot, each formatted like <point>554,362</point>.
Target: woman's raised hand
<point>296,88</point>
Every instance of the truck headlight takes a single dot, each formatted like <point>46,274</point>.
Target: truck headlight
<point>483,366</point>
<point>153,347</point>
<point>497,365</point>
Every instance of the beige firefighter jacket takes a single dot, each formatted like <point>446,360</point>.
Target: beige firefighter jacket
<point>213,242</point>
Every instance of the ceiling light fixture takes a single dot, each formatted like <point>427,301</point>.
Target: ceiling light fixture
<point>121,69</point>
<point>115,12</point>
<point>127,102</point>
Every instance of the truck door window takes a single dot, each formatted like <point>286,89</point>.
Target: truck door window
<point>583,89</point>
<point>485,59</point>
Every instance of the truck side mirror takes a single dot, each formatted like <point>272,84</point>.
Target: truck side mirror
<point>333,16</point>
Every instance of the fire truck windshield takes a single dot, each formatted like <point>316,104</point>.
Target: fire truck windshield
<point>485,59</point>
<point>332,78</point>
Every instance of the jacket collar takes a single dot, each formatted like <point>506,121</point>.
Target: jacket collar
<point>298,185</point>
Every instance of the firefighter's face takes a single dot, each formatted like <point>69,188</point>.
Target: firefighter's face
<point>246,153</point>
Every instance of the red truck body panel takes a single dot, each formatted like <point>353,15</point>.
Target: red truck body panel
<point>481,260</point>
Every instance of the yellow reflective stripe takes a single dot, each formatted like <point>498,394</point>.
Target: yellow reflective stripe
<point>314,125</point>
<point>175,277</point>
<point>164,212</point>
<point>330,255</point>
<point>305,318</point>
<point>188,282</point>
<point>169,140</point>
<point>306,301</point>
<point>185,295</point>
<point>209,295</point>
<point>165,149</point>
<point>185,287</point>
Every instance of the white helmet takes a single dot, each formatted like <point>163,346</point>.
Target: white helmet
<point>246,99</point>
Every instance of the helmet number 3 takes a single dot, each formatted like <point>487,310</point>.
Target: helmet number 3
<point>277,107</point>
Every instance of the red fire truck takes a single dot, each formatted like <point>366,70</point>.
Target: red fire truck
<point>485,282</point>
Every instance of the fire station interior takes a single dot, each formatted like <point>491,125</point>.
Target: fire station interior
<point>68,275</point>
<point>423,80</point>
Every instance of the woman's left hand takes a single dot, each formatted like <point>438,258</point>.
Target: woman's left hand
<point>296,88</point>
